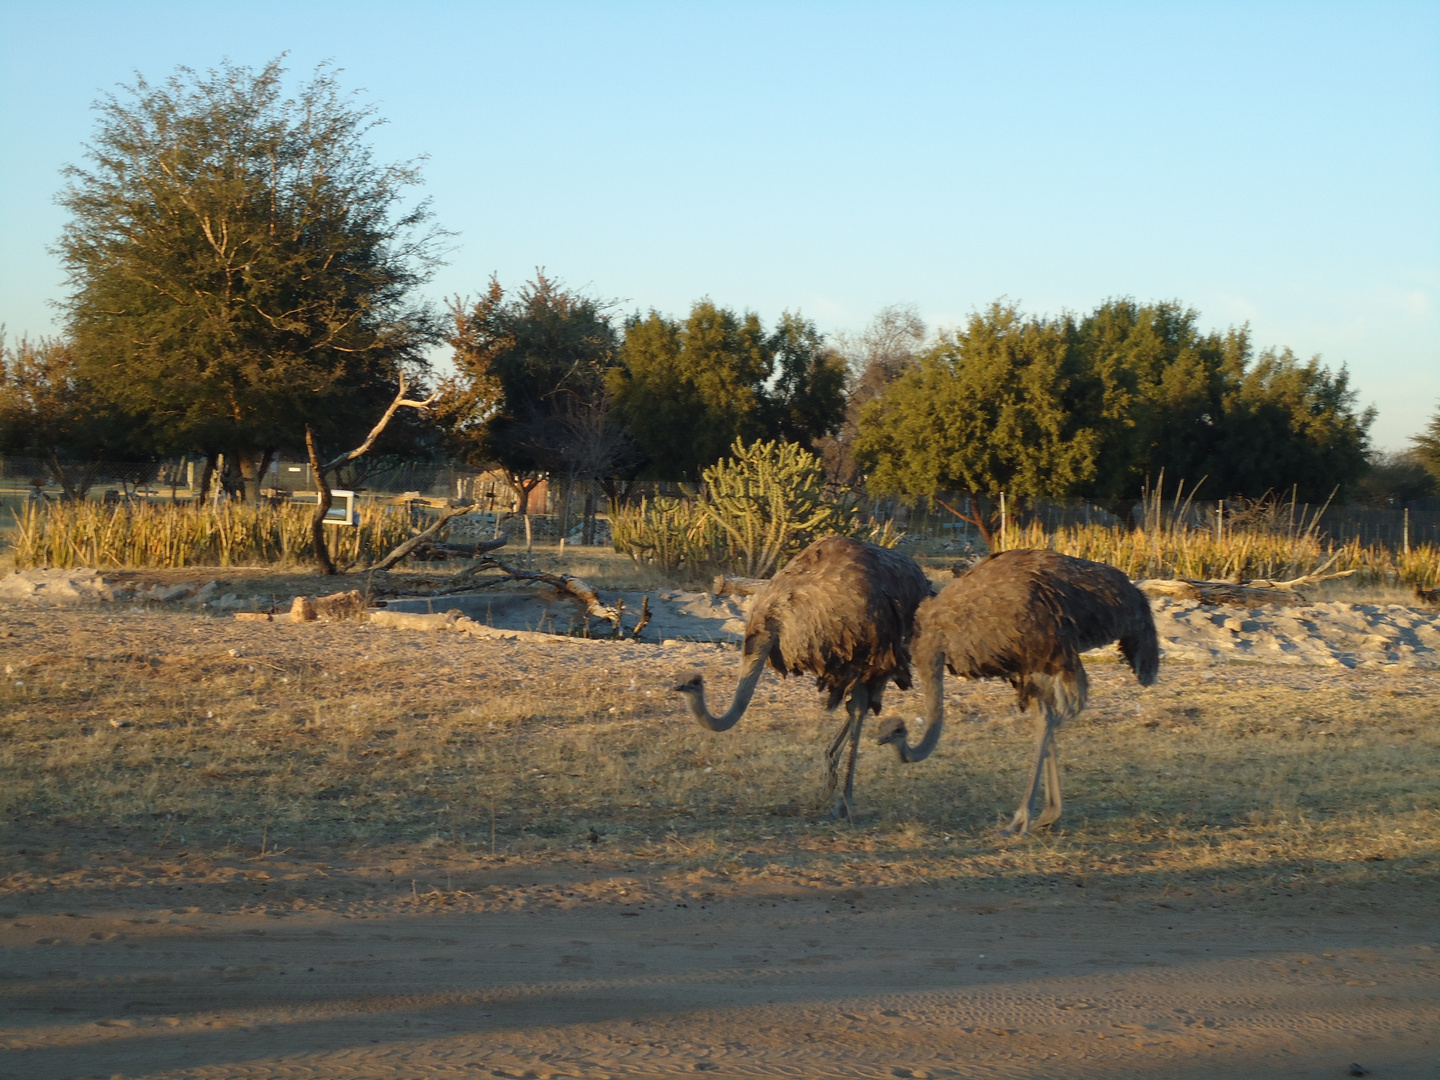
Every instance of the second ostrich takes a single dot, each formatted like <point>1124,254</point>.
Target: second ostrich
<point>1026,616</point>
<point>842,610</point>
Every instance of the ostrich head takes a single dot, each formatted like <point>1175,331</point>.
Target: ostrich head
<point>892,732</point>
<point>691,683</point>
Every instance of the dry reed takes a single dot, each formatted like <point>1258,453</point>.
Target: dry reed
<point>1199,554</point>
<point>173,535</point>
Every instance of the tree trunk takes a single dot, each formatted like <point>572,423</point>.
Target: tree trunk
<point>322,507</point>
<point>207,475</point>
<point>252,465</point>
<point>587,537</point>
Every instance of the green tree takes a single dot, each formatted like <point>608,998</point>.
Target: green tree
<point>1155,392</point>
<point>47,409</point>
<point>530,389</point>
<point>1427,446</point>
<point>240,265</point>
<point>992,407</point>
<point>686,391</point>
<point>1095,407</point>
<point>805,399</point>
<point>1290,425</point>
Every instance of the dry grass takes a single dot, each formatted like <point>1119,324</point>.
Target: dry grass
<point>1199,554</point>
<point>142,732</point>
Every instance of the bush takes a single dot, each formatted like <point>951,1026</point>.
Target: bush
<point>759,508</point>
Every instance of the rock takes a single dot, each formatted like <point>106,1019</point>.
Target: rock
<point>302,610</point>
<point>342,605</point>
<point>254,616</point>
<point>163,594</point>
<point>48,588</point>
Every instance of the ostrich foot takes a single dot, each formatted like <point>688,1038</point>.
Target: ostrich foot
<point>1048,818</point>
<point>841,811</point>
<point>1021,825</point>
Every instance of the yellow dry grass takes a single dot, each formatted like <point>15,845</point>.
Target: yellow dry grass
<point>144,733</point>
<point>1199,554</point>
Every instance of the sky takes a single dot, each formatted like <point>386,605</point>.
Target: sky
<point>1269,164</point>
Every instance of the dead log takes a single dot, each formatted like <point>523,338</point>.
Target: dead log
<point>437,549</point>
<point>724,585</point>
<point>1243,592</point>
<point>1218,592</point>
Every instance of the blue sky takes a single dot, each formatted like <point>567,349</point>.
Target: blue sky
<point>1276,164</point>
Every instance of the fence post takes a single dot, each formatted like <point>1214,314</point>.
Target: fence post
<point>1004,521</point>
<point>1407,531</point>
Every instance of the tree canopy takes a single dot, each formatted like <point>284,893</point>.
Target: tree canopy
<point>1427,446</point>
<point>687,390</point>
<point>1062,406</point>
<point>239,263</point>
<point>530,389</point>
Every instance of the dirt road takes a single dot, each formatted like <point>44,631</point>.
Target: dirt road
<point>933,981</point>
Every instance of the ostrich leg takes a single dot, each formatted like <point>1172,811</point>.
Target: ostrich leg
<point>855,706</point>
<point>1053,802</point>
<point>1045,724</point>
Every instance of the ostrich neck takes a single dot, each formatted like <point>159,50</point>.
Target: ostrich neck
<point>932,679</point>
<point>752,664</point>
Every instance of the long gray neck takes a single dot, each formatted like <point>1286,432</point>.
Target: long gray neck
<point>932,679</point>
<point>752,664</point>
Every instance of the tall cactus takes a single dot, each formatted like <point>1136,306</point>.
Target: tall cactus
<point>769,499</point>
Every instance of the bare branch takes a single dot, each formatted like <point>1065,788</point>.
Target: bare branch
<point>395,406</point>
<point>415,541</point>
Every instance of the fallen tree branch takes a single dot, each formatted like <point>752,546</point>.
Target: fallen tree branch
<point>415,541</point>
<point>1218,592</point>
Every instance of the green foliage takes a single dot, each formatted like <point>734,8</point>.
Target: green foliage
<point>686,391</point>
<point>530,390</point>
<point>1054,407</point>
<point>993,407</point>
<point>1427,446</point>
<point>48,409</point>
<point>237,261</point>
<point>673,535</point>
<point>769,500</point>
<point>760,507</point>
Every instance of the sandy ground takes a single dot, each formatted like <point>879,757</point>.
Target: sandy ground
<point>910,982</point>
<point>408,964</point>
<point>1326,634</point>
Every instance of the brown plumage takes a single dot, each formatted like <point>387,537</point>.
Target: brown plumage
<point>1026,616</point>
<point>843,611</point>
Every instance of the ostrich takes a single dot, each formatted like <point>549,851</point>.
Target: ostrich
<point>842,610</point>
<point>1026,616</point>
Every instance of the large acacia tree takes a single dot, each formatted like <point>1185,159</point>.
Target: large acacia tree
<point>240,265</point>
